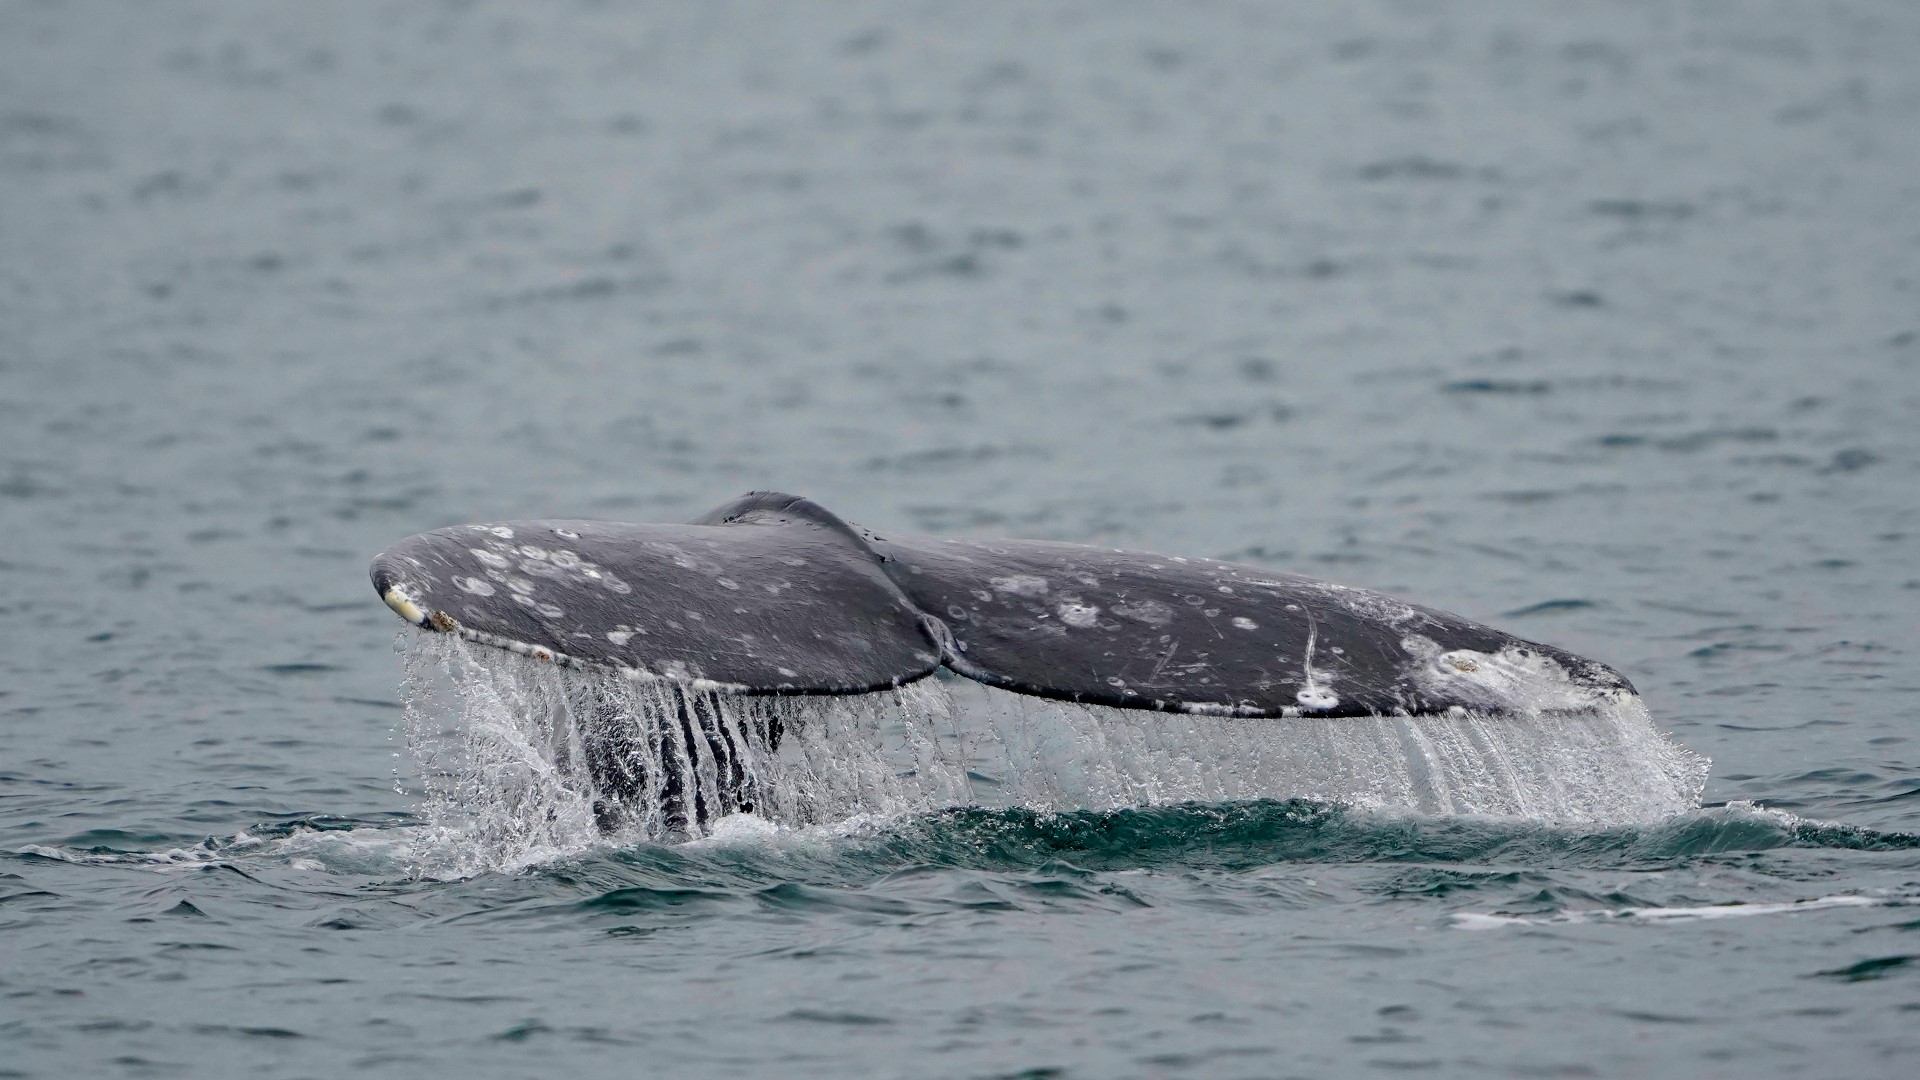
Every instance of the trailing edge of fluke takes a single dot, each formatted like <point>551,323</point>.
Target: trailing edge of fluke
<point>773,594</point>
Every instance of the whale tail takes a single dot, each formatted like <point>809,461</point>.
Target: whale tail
<point>772,594</point>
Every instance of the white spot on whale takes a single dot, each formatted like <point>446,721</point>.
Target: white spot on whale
<point>488,558</point>
<point>1079,615</point>
<point>474,585</point>
<point>501,531</point>
<point>1317,697</point>
<point>1151,612</point>
<point>1020,585</point>
<point>1420,646</point>
<point>1244,623</point>
<point>564,559</point>
<point>620,637</point>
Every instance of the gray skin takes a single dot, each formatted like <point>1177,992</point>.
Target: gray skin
<point>773,594</point>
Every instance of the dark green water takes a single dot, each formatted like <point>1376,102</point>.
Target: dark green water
<point>1599,325</point>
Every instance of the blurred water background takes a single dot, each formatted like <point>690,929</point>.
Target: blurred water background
<point>1599,324</point>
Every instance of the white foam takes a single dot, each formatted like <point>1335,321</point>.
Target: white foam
<point>1468,920</point>
<point>370,850</point>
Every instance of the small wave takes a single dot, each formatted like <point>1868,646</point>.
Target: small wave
<point>95,857</point>
<point>362,847</point>
<point>1469,920</point>
<point>746,850</point>
<point>1218,836</point>
<point>1242,835</point>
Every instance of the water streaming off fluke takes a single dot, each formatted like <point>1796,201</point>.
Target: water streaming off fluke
<point>529,761</point>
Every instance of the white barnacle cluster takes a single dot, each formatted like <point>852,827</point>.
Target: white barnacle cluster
<point>520,566</point>
<point>1515,677</point>
<point>1078,614</point>
<point>1150,612</point>
<point>1365,603</point>
<point>1317,698</point>
<point>1020,585</point>
<point>1221,708</point>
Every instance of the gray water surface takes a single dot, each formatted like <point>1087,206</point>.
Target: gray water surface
<point>1597,324</point>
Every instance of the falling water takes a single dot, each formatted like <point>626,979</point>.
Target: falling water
<point>532,761</point>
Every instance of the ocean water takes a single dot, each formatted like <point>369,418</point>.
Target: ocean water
<point>1599,325</point>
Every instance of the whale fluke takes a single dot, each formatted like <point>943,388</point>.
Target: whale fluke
<point>777,597</point>
<point>1138,630</point>
<point>773,594</point>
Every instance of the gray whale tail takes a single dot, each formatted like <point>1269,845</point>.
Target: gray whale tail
<point>773,594</point>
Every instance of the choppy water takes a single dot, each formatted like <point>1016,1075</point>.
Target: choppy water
<point>1597,325</point>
